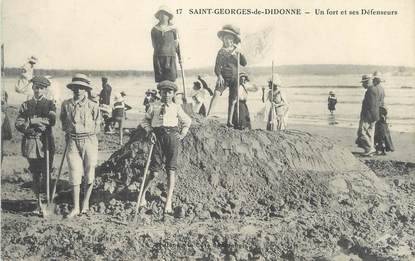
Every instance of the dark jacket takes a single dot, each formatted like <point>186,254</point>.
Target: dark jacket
<point>381,98</point>
<point>165,41</point>
<point>34,139</point>
<point>370,105</point>
<point>105,95</point>
<point>226,64</point>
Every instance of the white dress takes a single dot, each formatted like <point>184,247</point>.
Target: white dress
<point>280,112</point>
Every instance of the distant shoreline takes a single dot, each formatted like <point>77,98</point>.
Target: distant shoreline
<point>305,69</point>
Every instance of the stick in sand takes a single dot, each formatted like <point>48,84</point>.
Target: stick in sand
<point>272,96</point>
<point>187,107</point>
<point>59,173</point>
<point>47,169</point>
<point>237,90</point>
<point>137,207</point>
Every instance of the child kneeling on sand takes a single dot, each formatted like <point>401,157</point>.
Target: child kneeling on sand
<point>162,121</point>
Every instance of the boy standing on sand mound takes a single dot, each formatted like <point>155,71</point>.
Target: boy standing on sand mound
<point>162,121</point>
<point>81,122</point>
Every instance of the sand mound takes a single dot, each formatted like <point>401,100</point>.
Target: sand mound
<point>225,173</point>
<point>241,195</point>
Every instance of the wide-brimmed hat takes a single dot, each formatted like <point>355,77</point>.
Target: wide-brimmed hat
<point>232,30</point>
<point>123,94</point>
<point>243,74</point>
<point>167,85</point>
<point>80,80</point>
<point>377,75</point>
<point>365,78</point>
<point>41,81</point>
<point>32,59</point>
<point>331,92</point>
<point>164,9</point>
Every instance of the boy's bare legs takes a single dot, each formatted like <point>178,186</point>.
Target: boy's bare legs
<point>213,101</point>
<point>147,183</point>
<point>85,202</point>
<point>168,209</point>
<point>36,190</point>
<point>75,211</point>
<point>231,109</point>
<point>121,130</point>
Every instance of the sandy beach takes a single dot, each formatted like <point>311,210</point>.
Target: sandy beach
<point>113,202</point>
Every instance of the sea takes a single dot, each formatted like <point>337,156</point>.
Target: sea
<point>306,94</point>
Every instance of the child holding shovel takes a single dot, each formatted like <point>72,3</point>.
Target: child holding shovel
<point>35,120</point>
<point>226,67</point>
<point>162,121</point>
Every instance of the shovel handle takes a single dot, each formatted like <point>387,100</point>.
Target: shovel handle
<point>47,170</point>
<point>60,171</point>
<point>137,207</point>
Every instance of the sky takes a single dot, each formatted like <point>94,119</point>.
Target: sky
<point>115,35</point>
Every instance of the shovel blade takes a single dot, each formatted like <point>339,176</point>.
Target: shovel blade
<point>188,108</point>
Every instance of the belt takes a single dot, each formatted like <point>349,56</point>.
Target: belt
<point>81,136</point>
<point>165,129</point>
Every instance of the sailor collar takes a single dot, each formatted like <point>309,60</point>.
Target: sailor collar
<point>165,29</point>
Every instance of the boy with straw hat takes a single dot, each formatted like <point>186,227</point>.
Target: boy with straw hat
<point>226,67</point>
<point>81,122</point>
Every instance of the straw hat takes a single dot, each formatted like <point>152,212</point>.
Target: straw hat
<point>40,81</point>
<point>232,30</point>
<point>167,85</point>
<point>377,75</point>
<point>365,78</point>
<point>164,9</point>
<point>80,80</point>
<point>32,59</point>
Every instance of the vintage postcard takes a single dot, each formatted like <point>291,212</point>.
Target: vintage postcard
<point>208,130</point>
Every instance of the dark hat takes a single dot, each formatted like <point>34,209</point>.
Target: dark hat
<point>32,59</point>
<point>40,81</point>
<point>365,78</point>
<point>104,78</point>
<point>164,9</point>
<point>167,85</point>
<point>123,94</point>
<point>232,30</point>
<point>80,81</point>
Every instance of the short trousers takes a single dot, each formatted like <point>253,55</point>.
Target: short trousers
<point>231,83</point>
<point>82,157</point>
<point>166,149</point>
